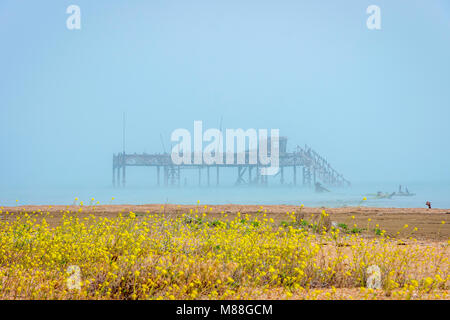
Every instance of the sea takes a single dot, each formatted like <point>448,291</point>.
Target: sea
<point>438,193</point>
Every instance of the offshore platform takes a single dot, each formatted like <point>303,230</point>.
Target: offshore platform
<point>314,168</point>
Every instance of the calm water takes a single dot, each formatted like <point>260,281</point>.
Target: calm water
<point>437,193</point>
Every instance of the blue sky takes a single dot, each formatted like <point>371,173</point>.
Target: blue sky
<point>375,103</point>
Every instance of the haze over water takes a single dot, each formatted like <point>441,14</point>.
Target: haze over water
<point>437,194</point>
<point>374,103</point>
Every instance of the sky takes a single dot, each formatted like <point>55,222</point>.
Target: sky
<point>375,103</point>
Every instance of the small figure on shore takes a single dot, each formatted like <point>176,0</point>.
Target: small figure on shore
<point>428,203</point>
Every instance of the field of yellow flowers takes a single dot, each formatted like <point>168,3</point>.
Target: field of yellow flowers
<point>145,255</point>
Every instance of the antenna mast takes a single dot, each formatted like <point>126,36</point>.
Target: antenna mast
<point>123,134</point>
<point>162,142</point>
<point>220,128</point>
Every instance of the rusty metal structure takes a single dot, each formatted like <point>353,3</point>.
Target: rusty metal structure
<point>314,168</point>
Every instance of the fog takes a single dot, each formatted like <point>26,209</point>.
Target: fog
<point>374,103</point>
